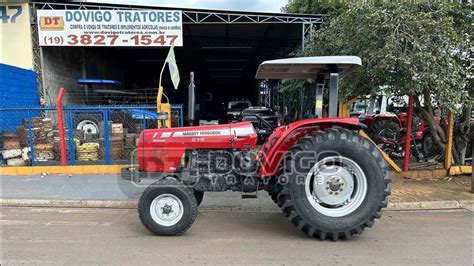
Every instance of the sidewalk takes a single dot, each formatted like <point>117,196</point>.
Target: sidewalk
<point>112,191</point>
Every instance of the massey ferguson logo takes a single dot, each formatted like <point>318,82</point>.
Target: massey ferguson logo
<point>201,133</point>
<point>52,23</point>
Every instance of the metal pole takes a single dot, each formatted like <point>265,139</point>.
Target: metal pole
<point>181,119</point>
<point>144,119</point>
<point>43,83</point>
<point>302,103</point>
<point>306,30</point>
<point>270,95</point>
<point>59,113</point>
<point>303,36</point>
<point>448,152</point>
<point>106,136</point>
<point>383,105</point>
<point>318,106</point>
<point>72,144</point>
<point>30,139</point>
<point>333,94</point>
<point>406,161</point>
<point>370,111</point>
<point>191,99</point>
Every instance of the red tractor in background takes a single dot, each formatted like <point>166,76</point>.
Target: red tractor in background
<point>329,181</point>
<point>388,128</point>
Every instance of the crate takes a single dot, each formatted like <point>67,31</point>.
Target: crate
<point>117,128</point>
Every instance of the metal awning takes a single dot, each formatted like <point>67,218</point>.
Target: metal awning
<point>307,67</point>
<point>223,48</point>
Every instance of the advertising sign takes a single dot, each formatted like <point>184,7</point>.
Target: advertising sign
<point>15,36</point>
<point>110,28</point>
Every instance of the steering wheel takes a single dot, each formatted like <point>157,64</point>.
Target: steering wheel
<point>264,122</point>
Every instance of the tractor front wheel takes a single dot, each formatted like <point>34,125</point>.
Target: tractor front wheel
<point>334,184</point>
<point>167,208</point>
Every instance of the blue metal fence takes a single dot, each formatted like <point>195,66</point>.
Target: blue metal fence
<point>84,125</point>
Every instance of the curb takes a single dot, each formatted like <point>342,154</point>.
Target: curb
<point>428,205</point>
<point>132,204</point>
<point>70,169</point>
<point>59,203</point>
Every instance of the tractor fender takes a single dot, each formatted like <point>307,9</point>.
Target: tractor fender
<point>271,153</point>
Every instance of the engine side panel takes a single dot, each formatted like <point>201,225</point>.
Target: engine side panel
<point>161,150</point>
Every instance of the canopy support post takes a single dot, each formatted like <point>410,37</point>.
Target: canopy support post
<point>333,94</point>
<point>318,106</point>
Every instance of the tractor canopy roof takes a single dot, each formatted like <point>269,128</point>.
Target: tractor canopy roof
<point>307,67</point>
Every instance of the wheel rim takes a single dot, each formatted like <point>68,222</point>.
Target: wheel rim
<point>166,210</point>
<point>88,126</point>
<point>336,186</point>
<point>388,134</point>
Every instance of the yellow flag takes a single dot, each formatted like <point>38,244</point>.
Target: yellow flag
<point>174,72</point>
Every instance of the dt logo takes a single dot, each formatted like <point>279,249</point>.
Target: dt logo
<point>52,23</point>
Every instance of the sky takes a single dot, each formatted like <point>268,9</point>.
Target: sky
<point>239,5</point>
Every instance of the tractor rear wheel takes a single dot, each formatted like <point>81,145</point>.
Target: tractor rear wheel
<point>275,188</point>
<point>167,208</point>
<point>386,129</point>
<point>334,184</point>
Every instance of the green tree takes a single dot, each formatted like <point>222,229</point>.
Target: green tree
<point>418,48</point>
<point>329,8</point>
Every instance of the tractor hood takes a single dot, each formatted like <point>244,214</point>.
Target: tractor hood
<point>161,150</point>
<point>214,136</point>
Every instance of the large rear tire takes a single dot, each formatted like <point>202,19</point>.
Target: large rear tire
<point>334,184</point>
<point>276,187</point>
<point>167,208</point>
<point>386,129</point>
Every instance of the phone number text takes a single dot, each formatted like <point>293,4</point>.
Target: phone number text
<point>110,40</point>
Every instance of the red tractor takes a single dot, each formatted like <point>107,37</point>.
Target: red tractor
<point>329,181</point>
<point>388,129</point>
<point>373,113</point>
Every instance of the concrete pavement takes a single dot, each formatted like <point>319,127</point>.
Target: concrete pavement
<point>114,192</point>
<point>111,236</point>
<point>91,187</point>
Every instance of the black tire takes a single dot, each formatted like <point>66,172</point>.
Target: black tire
<point>428,146</point>
<point>292,197</point>
<point>385,128</point>
<point>276,187</point>
<point>175,188</point>
<point>93,119</point>
<point>199,195</point>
